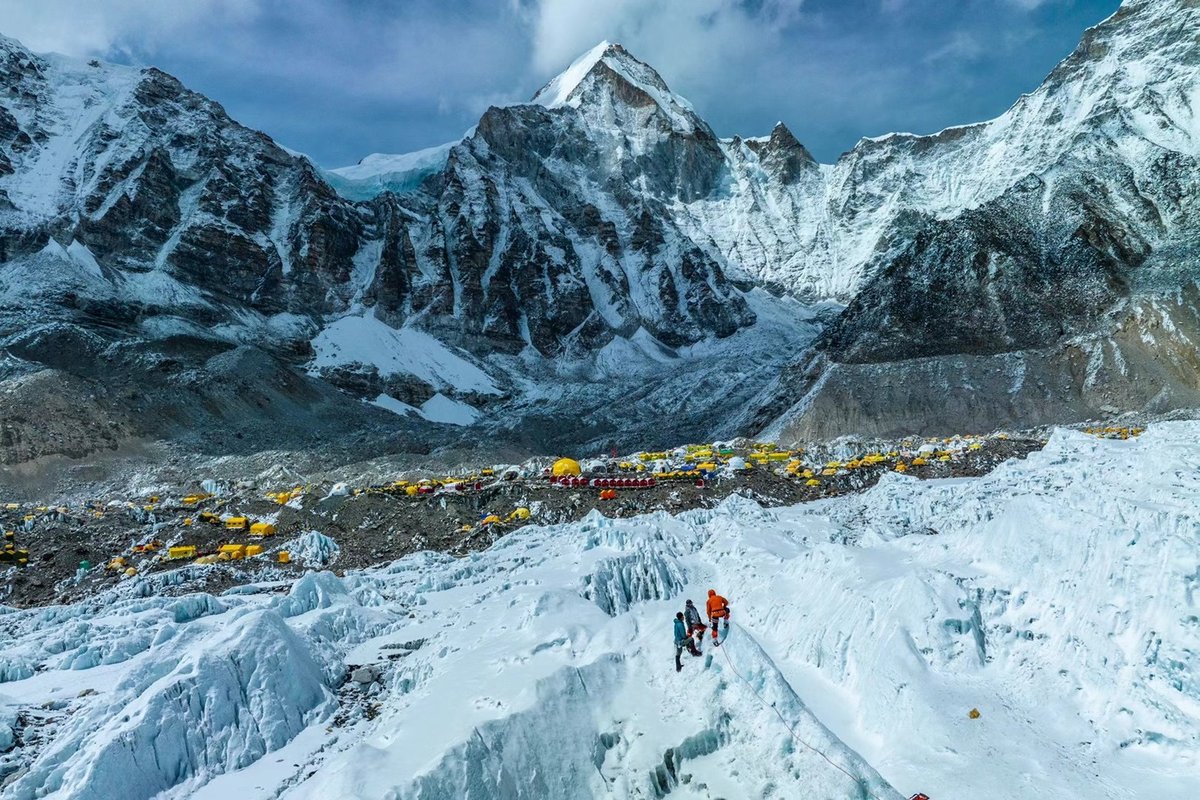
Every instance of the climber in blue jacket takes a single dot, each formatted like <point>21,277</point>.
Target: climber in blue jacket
<point>682,640</point>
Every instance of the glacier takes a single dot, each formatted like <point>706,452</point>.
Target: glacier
<point>1057,595</point>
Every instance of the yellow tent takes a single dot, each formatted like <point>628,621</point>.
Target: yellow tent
<point>564,467</point>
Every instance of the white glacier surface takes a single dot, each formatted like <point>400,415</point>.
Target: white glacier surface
<point>386,172</point>
<point>1058,595</point>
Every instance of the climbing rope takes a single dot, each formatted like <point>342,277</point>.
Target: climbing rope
<point>792,729</point>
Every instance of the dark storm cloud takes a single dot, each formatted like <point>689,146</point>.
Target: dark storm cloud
<point>339,80</point>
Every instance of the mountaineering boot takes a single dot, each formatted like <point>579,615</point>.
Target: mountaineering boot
<point>679,667</point>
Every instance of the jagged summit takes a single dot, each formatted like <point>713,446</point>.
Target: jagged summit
<point>565,87</point>
<point>603,222</point>
<point>608,71</point>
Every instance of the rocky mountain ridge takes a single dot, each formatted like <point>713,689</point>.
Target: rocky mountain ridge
<point>600,255</point>
<point>1065,286</point>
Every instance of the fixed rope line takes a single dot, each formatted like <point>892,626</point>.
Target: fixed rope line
<point>792,729</point>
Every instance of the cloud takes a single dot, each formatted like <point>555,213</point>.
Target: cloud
<point>92,27</point>
<point>962,46</point>
<point>342,78</point>
<point>691,38</point>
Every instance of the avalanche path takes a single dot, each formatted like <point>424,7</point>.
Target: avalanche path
<point>1058,595</point>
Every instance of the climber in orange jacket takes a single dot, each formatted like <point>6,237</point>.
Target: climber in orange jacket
<point>718,609</point>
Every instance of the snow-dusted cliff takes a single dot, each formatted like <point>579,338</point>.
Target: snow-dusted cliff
<point>1035,268</point>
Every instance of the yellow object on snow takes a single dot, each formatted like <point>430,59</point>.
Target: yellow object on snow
<point>129,573</point>
<point>284,557</point>
<point>260,529</point>
<point>812,482</point>
<point>490,519</point>
<point>565,467</point>
<point>237,523</point>
<point>253,550</point>
<point>519,513</point>
<point>974,713</point>
<point>181,551</point>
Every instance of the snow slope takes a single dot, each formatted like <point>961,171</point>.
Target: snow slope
<point>384,172</point>
<point>364,339</point>
<point>1057,595</point>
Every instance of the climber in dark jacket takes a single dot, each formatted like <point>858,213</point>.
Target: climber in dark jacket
<point>691,617</point>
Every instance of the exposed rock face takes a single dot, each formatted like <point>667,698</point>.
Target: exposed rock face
<point>139,211</point>
<point>1066,283</point>
<point>600,252</point>
<point>551,226</point>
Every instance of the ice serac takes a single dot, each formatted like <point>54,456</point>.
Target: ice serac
<point>192,715</point>
<point>1039,267</point>
<point>1057,595</point>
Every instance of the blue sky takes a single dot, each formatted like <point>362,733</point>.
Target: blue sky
<point>339,80</point>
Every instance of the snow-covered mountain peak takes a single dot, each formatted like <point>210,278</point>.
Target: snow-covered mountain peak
<point>782,154</point>
<point>9,46</point>
<point>560,88</point>
<point>608,72</point>
<point>1145,58</point>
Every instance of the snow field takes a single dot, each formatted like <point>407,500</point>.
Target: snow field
<point>366,340</point>
<point>1057,595</point>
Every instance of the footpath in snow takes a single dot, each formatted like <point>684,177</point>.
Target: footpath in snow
<point>1058,595</point>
